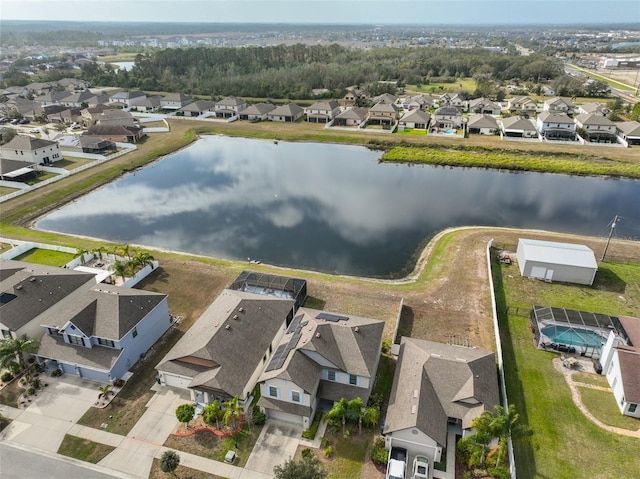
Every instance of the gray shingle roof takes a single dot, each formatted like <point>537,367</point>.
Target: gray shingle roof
<point>630,128</point>
<point>416,116</point>
<point>199,105</point>
<point>231,101</point>
<point>110,130</point>
<point>518,123</point>
<point>482,121</point>
<point>448,111</point>
<point>176,97</point>
<point>224,359</point>
<point>285,406</point>
<point>434,381</point>
<point>355,113</point>
<point>554,117</point>
<point>258,109</point>
<point>593,119</point>
<point>107,311</point>
<point>291,109</point>
<point>326,105</point>
<point>98,357</point>
<point>27,143</point>
<point>7,166</point>
<point>36,288</point>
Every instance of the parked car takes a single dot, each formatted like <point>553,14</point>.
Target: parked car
<point>24,121</point>
<point>4,120</point>
<point>420,468</point>
<point>397,464</point>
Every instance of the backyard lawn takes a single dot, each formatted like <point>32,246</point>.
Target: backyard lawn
<point>46,256</point>
<point>603,406</point>
<point>563,436</point>
<point>71,162</point>
<point>4,190</point>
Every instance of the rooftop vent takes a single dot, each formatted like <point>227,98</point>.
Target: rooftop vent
<point>235,316</point>
<point>240,310</point>
<point>32,279</point>
<point>413,409</point>
<point>357,329</point>
<point>19,286</point>
<point>415,393</point>
<point>317,335</point>
<point>228,326</point>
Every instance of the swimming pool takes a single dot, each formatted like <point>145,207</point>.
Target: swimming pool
<point>578,337</point>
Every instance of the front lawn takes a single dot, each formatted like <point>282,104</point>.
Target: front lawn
<point>206,444</point>
<point>602,404</point>
<point>181,472</point>
<point>563,436</point>
<point>46,256</point>
<point>84,449</point>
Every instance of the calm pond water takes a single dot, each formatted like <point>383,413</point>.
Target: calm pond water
<point>330,208</point>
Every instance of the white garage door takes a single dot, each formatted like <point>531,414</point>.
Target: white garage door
<point>284,417</point>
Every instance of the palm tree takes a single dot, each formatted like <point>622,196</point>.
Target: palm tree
<point>105,391</point>
<point>233,410</point>
<point>81,252</point>
<point>122,250</point>
<point>14,349</point>
<point>355,411</point>
<point>100,250</point>
<point>119,268</point>
<point>211,412</point>
<point>504,426</point>
<point>142,259</point>
<point>339,412</point>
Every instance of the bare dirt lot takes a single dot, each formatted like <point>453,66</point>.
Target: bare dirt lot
<point>448,300</point>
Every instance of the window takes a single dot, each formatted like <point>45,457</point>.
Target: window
<point>76,340</point>
<point>353,380</point>
<point>332,376</point>
<point>615,381</point>
<point>632,407</point>
<point>105,342</point>
<point>295,396</point>
<point>135,332</point>
<point>273,391</point>
<point>6,334</point>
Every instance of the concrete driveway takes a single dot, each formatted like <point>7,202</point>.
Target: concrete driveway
<point>278,442</point>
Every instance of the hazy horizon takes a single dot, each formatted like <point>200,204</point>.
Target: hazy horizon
<point>330,12</point>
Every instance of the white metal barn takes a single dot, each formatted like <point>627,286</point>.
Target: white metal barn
<point>551,261</point>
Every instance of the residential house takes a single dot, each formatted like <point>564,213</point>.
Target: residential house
<point>175,101</point>
<point>558,105</point>
<point>322,358</point>
<point>418,102</point>
<point>518,127</point>
<point>100,99</point>
<point>383,113</point>
<point>40,88</point>
<point>596,128</point>
<point>451,99</point>
<point>386,98</point>
<point>355,97</point>
<point>62,114</point>
<point>224,353</point>
<point>629,131</point>
<point>16,170</point>
<point>438,390</point>
<point>52,98</point>
<point>127,99</point>
<point>116,117</point>
<point>103,332</point>
<point>288,113</point>
<point>117,133</point>
<point>197,108</point>
<point>97,145</point>
<point>26,108</point>
<point>33,150</point>
<point>257,111</point>
<point>447,117</point>
<point>150,104</point>
<point>322,111</point>
<point>416,119</point>
<point>32,292</point>
<point>484,106</point>
<point>229,107</point>
<point>556,126</point>
<point>353,116</point>
<point>73,84</point>
<point>91,114</point>
<point>482,124</point>
<point>78,100</point>
<point>596,108</point>
<point>523,105</point>
<point>620,363</point>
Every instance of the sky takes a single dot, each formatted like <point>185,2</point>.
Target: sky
<point>430,12</point>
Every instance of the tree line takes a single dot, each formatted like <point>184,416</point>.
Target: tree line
<point>294,71</point>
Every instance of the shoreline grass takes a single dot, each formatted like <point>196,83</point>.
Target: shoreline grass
<point>501,160</point>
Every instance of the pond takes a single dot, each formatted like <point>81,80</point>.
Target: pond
<point>330,208</point>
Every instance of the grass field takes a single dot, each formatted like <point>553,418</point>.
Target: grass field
<point>608,81</point>
<point>46,256</point>
<point>603,406</point>
<point>468,84</point>
<point>84,449</point>
<point>563,436</point>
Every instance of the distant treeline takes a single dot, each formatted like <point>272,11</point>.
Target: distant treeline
<point>293,71</point>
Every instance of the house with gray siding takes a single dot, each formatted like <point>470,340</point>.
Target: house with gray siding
<point>437,391</point>
<point>103,332</point>
<point>257,111</point>
<point>416,119</point>
<point>322,111</point>
<point>197,108</point>
<point>322,358</point>
<point>353,116</point>
<point>175,101</point>
<point>34,150</point>
<point>31,292</point>
<point>518,127</point>
<point>229,107</point>
<point>629,131</point>
<point>482,124</point>
<point>289,113</point>
<point>556,126</point>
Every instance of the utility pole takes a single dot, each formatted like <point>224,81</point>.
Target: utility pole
<point>613,227</point>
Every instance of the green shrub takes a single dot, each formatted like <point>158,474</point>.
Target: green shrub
<point>310,433</point>
<point>386,345</point>
<point>31,391</point>
<point>6,377</point>
<point>324,443</point>
<point>259,418</point>
<point>306,452</point>
<point>379,455</point>
<point>328,452</point>
<point>375,400</point>
<point>500,472</point>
